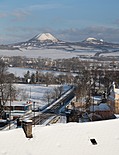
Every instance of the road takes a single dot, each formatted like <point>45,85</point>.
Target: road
<point>53,110</point>
<point>60,102</point>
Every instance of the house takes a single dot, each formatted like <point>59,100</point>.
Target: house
<point>18,108</point>
<point>96,99</point>
<point>113,98</point>
<point>101,111</point>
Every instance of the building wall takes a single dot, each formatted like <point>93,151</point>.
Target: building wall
<point>113,101</point>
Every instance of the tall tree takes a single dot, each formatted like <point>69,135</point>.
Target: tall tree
<point>33,78</point>
<point>27,77</point>
<point>57,92</point>
<point>7,90</point>
<point>47,96</point>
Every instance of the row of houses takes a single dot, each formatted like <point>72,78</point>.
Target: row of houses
<point>100,108</point>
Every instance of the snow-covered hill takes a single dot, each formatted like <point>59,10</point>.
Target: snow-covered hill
<point>44,41</point>
<point>93,41</point>
<point>48,41</point>
<point>46,37</point>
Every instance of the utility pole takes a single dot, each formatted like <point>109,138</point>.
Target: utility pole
<point>34,112</point>
<point>30,93</point>
<point>10,108</point>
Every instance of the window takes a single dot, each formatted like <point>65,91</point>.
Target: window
<point>93,141</point>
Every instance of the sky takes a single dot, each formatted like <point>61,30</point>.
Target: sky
<point>69,20</point>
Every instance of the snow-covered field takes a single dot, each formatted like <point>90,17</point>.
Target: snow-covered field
<point>35,92</point>
<point>19,72</point>
<point>45,53</point>
<point>110,54</point>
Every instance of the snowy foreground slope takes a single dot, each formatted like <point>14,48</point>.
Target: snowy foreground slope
<point>63,139</point>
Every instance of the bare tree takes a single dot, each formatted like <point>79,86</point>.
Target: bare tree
<point>22,95</point>
<point>57,92</point>
<point>47,96</point>
<point>27,77</point>
<point>7,90</point>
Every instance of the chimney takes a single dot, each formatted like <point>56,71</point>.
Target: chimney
<point>27,127</point>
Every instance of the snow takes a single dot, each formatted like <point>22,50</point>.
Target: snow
<point>91,39</point>
<point>94,40</point>
<point>35,92</point>
<point>18,103</point>
<point>101,40</point>
<point>111,54</point>
<point>100,107</point>
<point>97,98</point>
<point>63,139</point>
<point>43,53</point>
<point>46,36</point>
<point>20,72</point>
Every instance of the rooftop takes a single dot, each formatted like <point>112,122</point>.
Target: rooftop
<point>19,103</point>
<point>94,138</point>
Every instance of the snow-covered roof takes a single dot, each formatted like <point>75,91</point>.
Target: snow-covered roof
<point>100,107</point>
<point>18,103</point>
<point>64,139</point>
<point>97,98</point>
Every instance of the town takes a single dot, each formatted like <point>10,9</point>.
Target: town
<point>82,91</point>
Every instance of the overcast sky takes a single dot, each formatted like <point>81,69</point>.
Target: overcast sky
<point>69,20</point>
